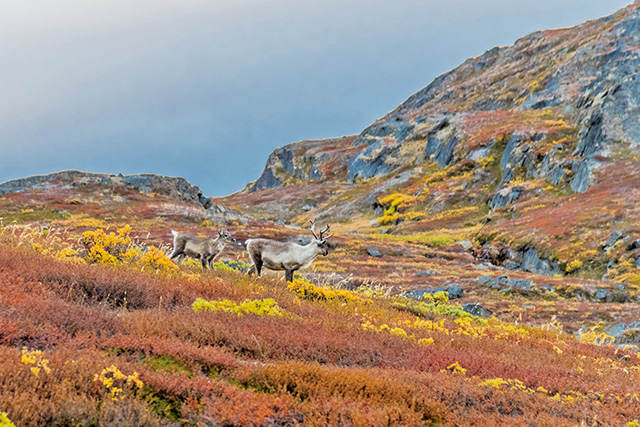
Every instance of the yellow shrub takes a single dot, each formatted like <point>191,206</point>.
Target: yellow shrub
<point>70,255</point>
<point>309,291</point>
<point>455,369</point>
<point>85,221</point>
<point>573,266</point>
<point>219,265</point>
<point>396,201</point>
<point>389,219</point>
<point>425,341</point>
<point>602,338</point>
<point>393,204</point>
<point>37,359</point>
<point>486,161</point>
<point>37,247</point>
<point>430,239</point>
<point>5,421</point>
<point>115,381</point>
<point>265,307</point>
<point>156,259</point>
<point>108,248</point>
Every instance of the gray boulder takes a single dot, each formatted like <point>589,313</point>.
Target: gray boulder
<point>465,244</point>
<point>476,309</point>
<point>374,252</point>
<point>505,284</point>
<point>511,265</point>
<point>483,280</point>
<point>424,273</point>
<point>633,245</point>
<point>533,264</point>
<point>625,333</point>
<point>505,197</point>
<point>612,240</point>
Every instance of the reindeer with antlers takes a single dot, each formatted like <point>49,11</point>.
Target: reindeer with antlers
<point>286,256</point>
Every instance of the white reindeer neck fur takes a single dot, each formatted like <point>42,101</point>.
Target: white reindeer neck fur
<point>309,252</point>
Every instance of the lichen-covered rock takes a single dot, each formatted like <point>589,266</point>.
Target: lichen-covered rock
<point>453,292</point>
<point>533,264</point>
<point>374,252</point>
<point>612,240</point>
<point>505,197</point>
<point>625,333</point>
<point>476,309</point>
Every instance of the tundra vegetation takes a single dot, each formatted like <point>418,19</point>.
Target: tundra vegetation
<point>94,329</point>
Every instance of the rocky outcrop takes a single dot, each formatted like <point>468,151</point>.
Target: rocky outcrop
<point>175,187</point>
<point>305,161</point>
<point>452,291</point>
<point>505,284</point>
<point>505,197</point>
<point>625,333</point>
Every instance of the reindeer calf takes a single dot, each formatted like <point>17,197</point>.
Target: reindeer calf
<point>202,248</point>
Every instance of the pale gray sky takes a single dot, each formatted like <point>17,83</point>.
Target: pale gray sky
<point>206,89</point>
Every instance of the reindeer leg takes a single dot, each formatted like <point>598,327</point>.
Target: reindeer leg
<point>203,260</point>
<point>256,267</point>
<point>288,274</point>
<point>176,252</point>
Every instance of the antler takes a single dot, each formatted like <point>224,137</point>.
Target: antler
<point>313,227</point>
<point>324,231</point>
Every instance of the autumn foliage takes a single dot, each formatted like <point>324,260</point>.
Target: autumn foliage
<point>122,344</point>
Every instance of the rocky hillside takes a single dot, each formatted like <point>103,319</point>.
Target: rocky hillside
<point>566,98</point>
<point>533,146</point>
<point>118,186</point>
<point>66,194</point>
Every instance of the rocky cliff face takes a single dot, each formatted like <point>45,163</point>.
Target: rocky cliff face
<point>306,161</point>
<point>565,98</point>
<point>585,76</point>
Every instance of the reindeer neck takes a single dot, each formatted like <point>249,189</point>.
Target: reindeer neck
<point>311,250</point>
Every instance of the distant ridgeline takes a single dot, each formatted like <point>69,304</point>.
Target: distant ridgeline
<point>175,187</point>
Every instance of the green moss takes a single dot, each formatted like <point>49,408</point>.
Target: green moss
<point>432,306</point>
<point>164,405</point>
<point>34,215</point>
<point>429,239</point>
<point>166,364</point>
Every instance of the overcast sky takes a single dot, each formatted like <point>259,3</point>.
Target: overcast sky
<point>206,89</point>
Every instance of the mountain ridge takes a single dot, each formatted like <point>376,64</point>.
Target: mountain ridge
<point>530,146</point>
<point>548,62</point>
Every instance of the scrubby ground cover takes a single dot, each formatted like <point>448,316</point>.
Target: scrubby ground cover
<point>93,341</point>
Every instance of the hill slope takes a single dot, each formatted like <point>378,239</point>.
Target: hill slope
<point>542,136</point>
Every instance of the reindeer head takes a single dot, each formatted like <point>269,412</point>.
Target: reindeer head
<point>320,239</point>
<point>225,235</point>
